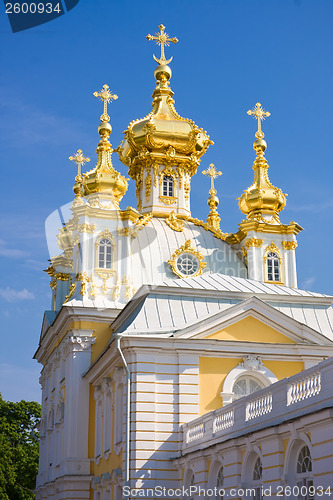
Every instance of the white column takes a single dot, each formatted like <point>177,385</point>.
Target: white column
<point>76,421</point>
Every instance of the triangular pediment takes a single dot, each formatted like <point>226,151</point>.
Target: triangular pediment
<point>253,321</point>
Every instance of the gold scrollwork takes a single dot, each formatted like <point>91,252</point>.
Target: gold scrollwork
<point>253,242</point>
<point>148,184</point>
<point>168,200</point>
<point>289,245</point>
<point>174,223</point>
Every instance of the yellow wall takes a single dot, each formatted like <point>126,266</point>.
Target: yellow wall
<point>251,330</point>
<point>213,371</point>
<point>102,332</point>
<point>114,461</point>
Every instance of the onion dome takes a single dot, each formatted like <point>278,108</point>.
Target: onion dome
<point>262,200</point>
<point>163,133</point>
<point>104,178</point>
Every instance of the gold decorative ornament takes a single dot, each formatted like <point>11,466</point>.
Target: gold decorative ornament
<point>216,232</point>
<point>168,200</point>
<point>260,114</point>
<point>174,223</point>
<point>79,160</point>
<point>70,292</point>
<point>163,40</point>
<point>213,218</point>
<point>141,222</point>
<point>86,228</point>
<point>261,201</point>
<point>148,184</point>
<point>83,278</point>
<point>124,231</point>
<point>289,245</point>
<point>186,262</point>
<point>106,96</point>
<point>253,242</point>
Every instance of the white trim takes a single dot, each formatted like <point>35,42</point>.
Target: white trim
<point>260,372</point>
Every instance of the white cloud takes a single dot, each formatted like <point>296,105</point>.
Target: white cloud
<point>307,284</point>
<point>13,253</point>
<point>11,295</point>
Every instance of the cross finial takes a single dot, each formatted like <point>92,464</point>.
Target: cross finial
<point>106,96</point>
<point>162,39</point>
<point>212,173</point>
<point>259,113</point>
<point>80,160</point>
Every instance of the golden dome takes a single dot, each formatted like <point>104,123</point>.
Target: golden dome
<point>163,133</point>
<point>261,198</point>
<point>104,178</point>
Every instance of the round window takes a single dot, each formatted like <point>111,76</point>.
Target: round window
<point>187,264</point>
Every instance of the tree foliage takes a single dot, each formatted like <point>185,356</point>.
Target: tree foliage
<point>19,447</point>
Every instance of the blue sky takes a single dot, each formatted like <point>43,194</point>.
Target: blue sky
<point>231,54</point>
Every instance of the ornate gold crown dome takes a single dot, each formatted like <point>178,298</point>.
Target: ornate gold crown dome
<point>261,199</point>
<point>163,133</point>
<point>103,178</point>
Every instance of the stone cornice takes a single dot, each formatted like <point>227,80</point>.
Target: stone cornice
<point>66,316</point>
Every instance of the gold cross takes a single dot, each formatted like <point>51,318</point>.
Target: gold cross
<point>162,39</point>
<point>80,160</point>
<point>212,173</point>
<point>106,96</point>
<point>259,113</point>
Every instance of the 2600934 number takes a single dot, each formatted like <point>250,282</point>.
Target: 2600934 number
<point>32,8</point>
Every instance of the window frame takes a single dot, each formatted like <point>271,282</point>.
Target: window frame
<point>273,249</point>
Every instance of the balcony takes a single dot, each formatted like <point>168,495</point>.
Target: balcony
<point>305,392</point>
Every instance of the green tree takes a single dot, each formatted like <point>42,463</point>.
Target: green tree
<point>19,447</point>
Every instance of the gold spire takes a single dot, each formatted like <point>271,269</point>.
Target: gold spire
<point>259,113</point>
<point>79,160</point>
<point>162,39</point>
<point>106,96</point>
<point>213,218</point>
<point>163,137</point>
<point>104,178</point>
<point>261,201</point>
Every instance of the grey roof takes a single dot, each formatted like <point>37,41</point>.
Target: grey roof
<point>174,304</point>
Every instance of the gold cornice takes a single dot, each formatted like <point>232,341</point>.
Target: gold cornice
<point>262,227</point>
<point>86,210</point>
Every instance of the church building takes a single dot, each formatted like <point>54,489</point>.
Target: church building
<point>177,357</point>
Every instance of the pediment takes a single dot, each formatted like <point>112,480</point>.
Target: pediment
<point>253,321</point>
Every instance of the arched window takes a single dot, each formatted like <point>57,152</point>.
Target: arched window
<point>168,186</point>
<point>244,386</point>
<point>304,474</point>
<point>105,254</point>
<point>273,267</point>
<point>257,479</point>
<point>219,483</point>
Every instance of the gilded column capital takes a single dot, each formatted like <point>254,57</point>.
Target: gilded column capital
<point>289,245</point>
<point>253,242</point>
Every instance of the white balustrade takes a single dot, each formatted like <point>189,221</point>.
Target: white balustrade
<point>304,388</point>
<point>260,406</point>
<point>223,421</point>
<point>196,432</point>
<point>313,387</point>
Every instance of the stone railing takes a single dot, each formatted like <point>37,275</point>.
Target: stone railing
<point>305,392</point>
